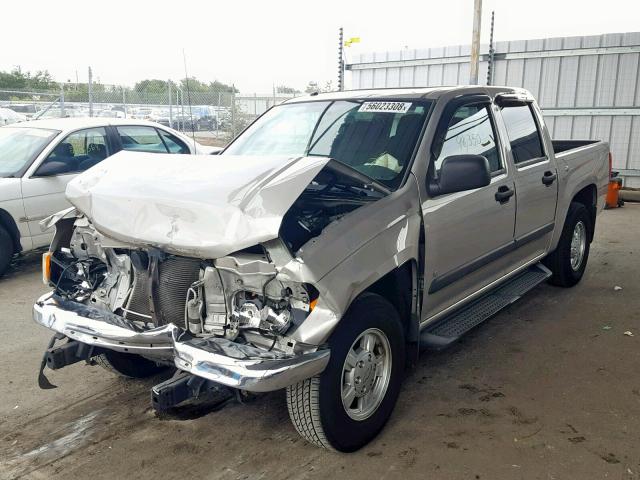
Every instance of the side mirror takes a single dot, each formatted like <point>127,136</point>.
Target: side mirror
<point>459,173</point>
<point>52,168</point>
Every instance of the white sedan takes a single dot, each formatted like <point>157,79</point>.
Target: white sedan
<point>39,158</point>
<point>8,116</point>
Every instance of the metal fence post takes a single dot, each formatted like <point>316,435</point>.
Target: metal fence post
<point>218,116</point>
<point>124,101</point>
<point>233,111</point>
<point>62,100</point>
<point>182,109</point>
<point>170,104</point>
<point>90,91</point>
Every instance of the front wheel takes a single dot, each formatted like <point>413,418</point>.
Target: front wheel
<point>6,250</point>
<point>569,260</point>
<point>348,404</point>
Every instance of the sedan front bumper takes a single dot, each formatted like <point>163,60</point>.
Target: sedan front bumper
<point>220,360</point>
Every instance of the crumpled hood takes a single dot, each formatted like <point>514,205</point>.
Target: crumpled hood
<point>195,205</point>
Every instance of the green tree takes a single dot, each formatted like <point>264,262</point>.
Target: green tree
<point>286,90</point>
<point>13,80</point>
<point>314,86</point>
<point>151,86</point>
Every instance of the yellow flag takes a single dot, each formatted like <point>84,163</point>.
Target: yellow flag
<point>352,40</point>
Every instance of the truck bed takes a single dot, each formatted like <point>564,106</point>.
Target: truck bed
<point>560,146</point>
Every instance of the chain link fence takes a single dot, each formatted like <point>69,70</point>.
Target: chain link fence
<point>218,114</point>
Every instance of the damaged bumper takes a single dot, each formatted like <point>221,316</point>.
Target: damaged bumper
<point>244,366</point>
<point>219,360</point>
<point>102,329</point>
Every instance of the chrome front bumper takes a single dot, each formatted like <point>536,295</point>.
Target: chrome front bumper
<point>217,359</point>
<point>97,327</point>
<point>246,367</point>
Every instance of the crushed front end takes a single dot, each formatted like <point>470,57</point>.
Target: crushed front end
<point>224,320</point>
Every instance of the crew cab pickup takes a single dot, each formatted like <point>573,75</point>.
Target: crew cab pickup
<point>324,248</point>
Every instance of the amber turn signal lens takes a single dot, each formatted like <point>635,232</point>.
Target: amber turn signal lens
<point>46,268</point>
<point>313,304</point>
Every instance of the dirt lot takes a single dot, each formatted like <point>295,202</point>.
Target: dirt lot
<point>548,389</point>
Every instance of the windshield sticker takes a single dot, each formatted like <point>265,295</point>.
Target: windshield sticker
<point>385,107</point>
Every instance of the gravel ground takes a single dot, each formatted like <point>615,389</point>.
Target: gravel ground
<point>547,389</point>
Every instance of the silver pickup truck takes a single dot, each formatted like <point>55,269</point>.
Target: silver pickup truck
<point>328,244</point>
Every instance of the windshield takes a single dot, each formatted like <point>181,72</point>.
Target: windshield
<point>19,147</point>
<point>376,138</point>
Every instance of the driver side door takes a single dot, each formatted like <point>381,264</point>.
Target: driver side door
<point>469,234</point>
<point>44,189</point>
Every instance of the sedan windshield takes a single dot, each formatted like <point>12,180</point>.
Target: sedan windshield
<point>376,138</point>
<point>20,146</point>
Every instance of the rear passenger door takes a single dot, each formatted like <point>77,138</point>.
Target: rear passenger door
<point>535,178</point>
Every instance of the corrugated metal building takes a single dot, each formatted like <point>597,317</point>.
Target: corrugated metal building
<point>588,87</point>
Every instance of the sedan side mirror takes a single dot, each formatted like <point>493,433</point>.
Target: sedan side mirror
<point>459,173</point>
<point>52,168</point>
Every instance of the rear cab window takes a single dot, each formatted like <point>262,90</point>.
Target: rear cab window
<point>524,134</point>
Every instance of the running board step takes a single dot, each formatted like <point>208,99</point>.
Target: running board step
<point>448,330</point>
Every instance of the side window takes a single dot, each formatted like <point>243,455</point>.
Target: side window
<point>174,144</point>
<point>141,139</point>
<point>524,136</point>
<point>77,152</point>
<point>470,132</point>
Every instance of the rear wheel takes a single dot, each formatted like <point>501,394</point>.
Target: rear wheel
<point>128,365</point>
<point>348,404</point>
<point>569,260</point>
<point>6,250</point>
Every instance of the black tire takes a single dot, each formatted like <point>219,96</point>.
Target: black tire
<point>6,250</point>
<point>128,365</point>
<point>559,261</point>
<point>315,405</point>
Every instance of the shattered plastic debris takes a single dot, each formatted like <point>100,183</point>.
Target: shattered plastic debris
<point>617,288</point>
<point>628,333</point>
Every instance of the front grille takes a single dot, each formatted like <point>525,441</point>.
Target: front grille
<point>175,276</point>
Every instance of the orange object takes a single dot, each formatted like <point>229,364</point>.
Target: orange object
<point>313,304</point>
<point>46,268</point>
<point>613,197</point>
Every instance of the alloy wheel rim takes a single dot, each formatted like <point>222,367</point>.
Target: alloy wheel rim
<point>578,245</point>
<point>366,373</point>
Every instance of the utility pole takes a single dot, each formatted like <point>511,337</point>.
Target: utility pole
<point>340,60</point>
<point>475,42</point>
<point>491,52</point>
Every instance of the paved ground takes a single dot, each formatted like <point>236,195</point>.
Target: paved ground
<point>547,389</point>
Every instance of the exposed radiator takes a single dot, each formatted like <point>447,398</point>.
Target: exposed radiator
<point>175,276</point>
